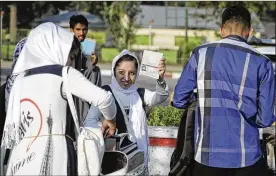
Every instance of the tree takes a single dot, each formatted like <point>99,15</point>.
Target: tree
<point>121,19</point>
<point>27,11</point>
<point>261,8</point>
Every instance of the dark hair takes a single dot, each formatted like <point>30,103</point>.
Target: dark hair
<point>126,57</point>
<point>75,19</point>
<point>236,14</point>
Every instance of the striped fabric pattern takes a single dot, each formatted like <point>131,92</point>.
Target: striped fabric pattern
<point>18,48</point>
<point>235,92</point>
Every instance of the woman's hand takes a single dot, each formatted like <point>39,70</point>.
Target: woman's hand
<point>108,128</point>
<point>162,69</point>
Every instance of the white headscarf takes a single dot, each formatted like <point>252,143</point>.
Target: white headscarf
<point>136,113</point>
<point>47,44</point>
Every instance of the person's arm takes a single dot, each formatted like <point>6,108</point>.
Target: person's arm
<point>93,116</point>
<point>162,90</point>
<point>265,114</point>
<point>186,84</point>
<point>84,89</point>
<point>159,96</point>
<point>272,139</point>
<point>98,76</point>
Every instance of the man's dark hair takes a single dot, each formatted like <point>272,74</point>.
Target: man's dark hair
<point>75,19</point>
<point>236,14</point>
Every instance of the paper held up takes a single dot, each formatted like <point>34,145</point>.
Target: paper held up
<point>149,64</point>
<point>88,46</point>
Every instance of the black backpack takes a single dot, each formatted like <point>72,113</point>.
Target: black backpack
<point>182,159</point>
<point>120,121</point>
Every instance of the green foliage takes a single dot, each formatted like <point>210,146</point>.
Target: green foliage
<point>7,51</point>
<point>179,40</point>
<point>99,36</point>
<point>170,55</point>
<point>108,54</point>
<point>121,19</point>
<point>164,116</point>
<point>27,11</point>
<point>185,50</point>
<point>4,33</point>
<point>259,7</point>
<point>142,39</point>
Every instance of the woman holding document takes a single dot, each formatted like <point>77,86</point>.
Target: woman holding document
<point>131,101</point>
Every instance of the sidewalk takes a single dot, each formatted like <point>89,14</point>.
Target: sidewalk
<point>172,71</point>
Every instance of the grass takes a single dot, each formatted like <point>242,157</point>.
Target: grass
<point>180,40</point>
<point>6,50</point>
<point>170,55</point>
<point>143,39</point>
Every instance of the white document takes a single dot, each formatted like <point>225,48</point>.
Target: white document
<point>149,64</point>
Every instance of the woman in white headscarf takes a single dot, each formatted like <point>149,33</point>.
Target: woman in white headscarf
<point>131,102</point>
<point>37,129</point>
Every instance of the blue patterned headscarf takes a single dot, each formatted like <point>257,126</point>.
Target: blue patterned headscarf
<point>18,48</point>
<point>10,79</point>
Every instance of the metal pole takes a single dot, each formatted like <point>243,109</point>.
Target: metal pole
<point>13,22</point>
<point>150,34</point>
<point>1,33</point>
<point>150,26</point>
<point>186,22</point>
<point>8,49</point>
<point>176,16</point>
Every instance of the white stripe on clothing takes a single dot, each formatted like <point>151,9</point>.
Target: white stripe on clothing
<point>200,76</point>
<point>239,106</point>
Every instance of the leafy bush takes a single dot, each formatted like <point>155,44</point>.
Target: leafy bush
<point>179,40</point>
<point>99,36</point>
<point>170,55</point>
<point>108,54</point>
<point>185,50</point>
<point>7,51</point>
<point>164,116</point>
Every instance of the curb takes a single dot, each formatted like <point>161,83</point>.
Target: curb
<point>173,75</point>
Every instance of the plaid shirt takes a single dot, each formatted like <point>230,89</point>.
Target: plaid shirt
<point>235,94</point>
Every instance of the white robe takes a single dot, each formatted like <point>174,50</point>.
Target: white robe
<point>43,122</point>
<point>38,143</point>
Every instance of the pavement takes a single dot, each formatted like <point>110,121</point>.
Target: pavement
<point>172,71</point>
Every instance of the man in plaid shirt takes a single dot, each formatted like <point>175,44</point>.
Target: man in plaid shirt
<point>235,96</point>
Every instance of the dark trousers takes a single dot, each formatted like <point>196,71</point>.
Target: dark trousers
<point>257,169</point>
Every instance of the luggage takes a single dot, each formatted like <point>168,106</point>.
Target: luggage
<point>135,157</point>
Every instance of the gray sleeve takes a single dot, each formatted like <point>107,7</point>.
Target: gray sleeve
<point>157,97</point>
<point>92,73</point>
